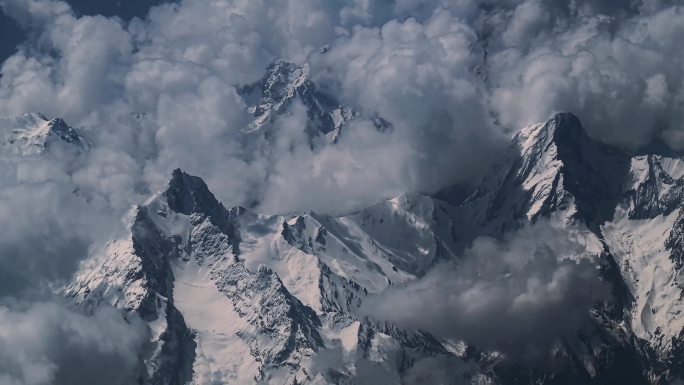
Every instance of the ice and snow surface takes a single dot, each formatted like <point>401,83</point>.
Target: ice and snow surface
<point>31,133</point>
<point>262,310</point>
<point>639,248</point>
<point>221,356</point>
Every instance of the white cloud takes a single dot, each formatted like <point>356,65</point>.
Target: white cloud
<point>420,65</point>
<point>44,344</point>
<point>517,295</point>
<point>451,75</point>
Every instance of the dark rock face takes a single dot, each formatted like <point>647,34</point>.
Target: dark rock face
<point>174,364</point>
<point>588,174</point>
<point>64,131</point>
<point>188,194</point>
<point>148,293</point>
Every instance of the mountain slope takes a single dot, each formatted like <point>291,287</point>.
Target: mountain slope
<point>32,133</point>
<point>208,281</point>
<point>632,203</point>
<point>286,83</point>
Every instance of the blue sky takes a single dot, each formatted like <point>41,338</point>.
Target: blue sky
<point>11,36</point>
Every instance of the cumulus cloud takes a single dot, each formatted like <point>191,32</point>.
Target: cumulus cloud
<point>44,343</point>
<point>455,78</point>
<point>48,228</point>
<point>183,79</point>
<point>421,77</point>
<point>302,180</point>
<point>48,225</point>
<point>517,295</point>
<point>619,74</point>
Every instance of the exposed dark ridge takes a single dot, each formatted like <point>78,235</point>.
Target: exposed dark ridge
<point>178,351</point>
<point>155,251</point>
<point>593,172</point>
<point>590,176</point>
<point>152,248</point>
<point>64,131</point>
<point>566,127</point>
<point>188,194</point>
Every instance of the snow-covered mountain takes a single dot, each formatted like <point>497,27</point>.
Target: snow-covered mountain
<point>234,296</point>
<point>31,134</point>
<point>286,82</point>
<point>632,203</point>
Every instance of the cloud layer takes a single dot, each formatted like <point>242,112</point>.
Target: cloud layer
<point>455,78</point>
<point>48,344</point>
<point>517,295</point>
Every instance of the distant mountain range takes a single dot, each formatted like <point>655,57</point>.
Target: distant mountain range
<point>234,296</point>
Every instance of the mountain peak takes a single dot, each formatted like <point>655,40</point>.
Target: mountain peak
<point>566,128</point>
<point>563,129</point>
<point>557,141</point>
<point>549,169</point>
<point>560,166</point>
<point>282,80</point>
<point>566,121</point>
<point>286,82</point>
<point>187,194</point>
<point>60,128</point>
<point>32,133</point>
